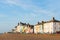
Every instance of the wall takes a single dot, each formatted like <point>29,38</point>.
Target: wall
<point>25,29</point>
<point>48,27</point>
<point>38,29</point>
<point>18,28</point>
<point>56,26</point>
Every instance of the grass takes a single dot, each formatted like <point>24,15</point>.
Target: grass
<point>18,36</point>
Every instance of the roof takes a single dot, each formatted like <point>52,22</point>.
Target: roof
<point>24,24</point>
<point>53,20</point>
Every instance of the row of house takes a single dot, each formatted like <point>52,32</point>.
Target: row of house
<point>23,28</point>
<point>51,26</point>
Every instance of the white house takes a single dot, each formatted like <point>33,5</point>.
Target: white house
<point>52,26</point>
<point>23,28</point>
<point>16,29</point>
<point>38,28</point>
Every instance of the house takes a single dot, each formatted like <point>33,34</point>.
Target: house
<point>38,28</point>
<point>17,28</point>
<point>23,28</point>
<point>51,26</point>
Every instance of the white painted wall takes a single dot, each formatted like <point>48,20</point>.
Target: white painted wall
<point>51,27</point>
<point>56,26</point>
<point>48,27</point>
<point>18,28</point>
<point>25,29</point>
<point>38,29</point>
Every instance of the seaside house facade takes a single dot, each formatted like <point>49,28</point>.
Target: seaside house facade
<point>23,28</point>
<point>52,26</point>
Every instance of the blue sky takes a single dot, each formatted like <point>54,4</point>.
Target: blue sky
<point>29,11</point>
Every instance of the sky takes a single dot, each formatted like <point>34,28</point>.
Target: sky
<point>27,11</point>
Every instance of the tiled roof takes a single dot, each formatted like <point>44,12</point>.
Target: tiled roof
<point>53,20</point>
<point>24,24</point>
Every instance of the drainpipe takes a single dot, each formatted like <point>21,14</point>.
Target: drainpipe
<point>43,26</point>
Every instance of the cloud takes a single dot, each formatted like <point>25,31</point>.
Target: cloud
<point>27,5</point>
<point>17,3</point>
<point>34,9</point>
